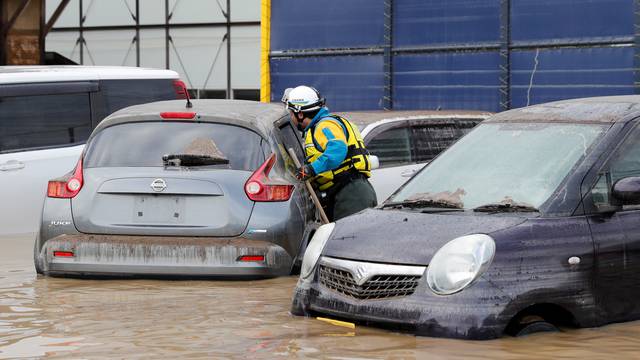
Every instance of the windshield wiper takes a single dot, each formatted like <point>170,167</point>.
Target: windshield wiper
<point>412,204</point>
<point>192,160</point>
<point>505,207</point>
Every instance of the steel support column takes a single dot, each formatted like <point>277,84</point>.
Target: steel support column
<point>228,16</point>
<point>265,49</point>
<point>505,59</point>
<point>166,33</point>
<point>81,34</point>
<point>138,33</point>
<point>387,99</point>
<point>636,48</point>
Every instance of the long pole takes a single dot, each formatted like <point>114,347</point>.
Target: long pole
<point>312,193</point>
<point>80,23</point>
<point>228,49</point>
<point>166,33</point>
<point>138,33</point>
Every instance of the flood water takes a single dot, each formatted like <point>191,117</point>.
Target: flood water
<point>74,318</point>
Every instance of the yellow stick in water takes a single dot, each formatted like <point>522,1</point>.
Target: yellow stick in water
<point>337,322</point>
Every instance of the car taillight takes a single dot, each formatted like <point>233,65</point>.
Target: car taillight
<point>175,115</point>
<point>67,186</point>
<point>181,89</point>
<point>251,258</point>
<point>260,188</point>
<point>63,253</point>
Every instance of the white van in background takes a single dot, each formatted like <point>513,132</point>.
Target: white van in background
<point>46,115</point>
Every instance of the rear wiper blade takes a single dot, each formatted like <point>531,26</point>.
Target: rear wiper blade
<point>505,207</point>
<point>192,160</point>
<point>422,204</point>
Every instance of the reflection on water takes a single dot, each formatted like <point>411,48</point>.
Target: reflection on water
<point>213,319</point>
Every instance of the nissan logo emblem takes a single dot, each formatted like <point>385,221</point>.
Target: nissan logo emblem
<point>158,185</point>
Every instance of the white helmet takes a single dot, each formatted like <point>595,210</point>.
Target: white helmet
<point>303,98</point>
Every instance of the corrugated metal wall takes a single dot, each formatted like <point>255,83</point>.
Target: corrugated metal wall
<point>454,54</point>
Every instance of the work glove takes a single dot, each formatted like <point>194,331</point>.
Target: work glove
<point>305,172</point>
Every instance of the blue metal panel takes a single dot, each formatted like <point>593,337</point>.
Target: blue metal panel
<point>570,19</point>
<point>347,82</point>
<point>462,80</point>
<point>570,73</point>
<point>431,22</point>
<point>297,24</point>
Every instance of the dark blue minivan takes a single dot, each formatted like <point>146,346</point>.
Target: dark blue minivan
<point>529,223</point>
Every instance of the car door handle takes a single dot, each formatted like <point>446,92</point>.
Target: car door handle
<point>11,165</point>
<point>408,173</point>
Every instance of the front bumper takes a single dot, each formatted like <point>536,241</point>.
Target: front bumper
<point>119,255</point>
<point>478,312</point>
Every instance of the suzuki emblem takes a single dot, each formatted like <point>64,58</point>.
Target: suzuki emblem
<point>360,275</point>
<point>158,185</point>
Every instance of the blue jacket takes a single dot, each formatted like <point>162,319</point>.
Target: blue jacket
<point>335,150</point>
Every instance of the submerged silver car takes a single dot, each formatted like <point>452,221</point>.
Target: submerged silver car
<point>162,189</point>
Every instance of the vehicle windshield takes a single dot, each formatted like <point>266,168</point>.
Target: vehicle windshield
<point>503,166</point>
<point>150,144</point>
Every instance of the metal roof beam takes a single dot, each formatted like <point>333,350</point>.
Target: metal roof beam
<point>54,17</point>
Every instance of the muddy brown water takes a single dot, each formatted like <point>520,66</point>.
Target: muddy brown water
<point>75,318</point>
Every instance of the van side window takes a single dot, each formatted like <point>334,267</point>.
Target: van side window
<point>30,122</point>
<point>118,94</point>
<point>392,147</point>
<point>432,137</point>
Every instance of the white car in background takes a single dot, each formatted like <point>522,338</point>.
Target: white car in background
<point>404,141</point>
<point>46,115</point>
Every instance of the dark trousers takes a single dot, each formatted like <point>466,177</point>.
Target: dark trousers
<point>354,196</point>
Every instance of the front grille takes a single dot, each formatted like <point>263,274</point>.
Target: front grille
<point>377,287</point>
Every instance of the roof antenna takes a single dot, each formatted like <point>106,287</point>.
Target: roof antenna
<point>186,93</point>
<point>181,89</point>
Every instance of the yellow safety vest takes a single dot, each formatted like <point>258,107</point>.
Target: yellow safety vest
<point>356,160</point>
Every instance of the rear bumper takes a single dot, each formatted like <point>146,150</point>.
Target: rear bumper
<point>119,255</point>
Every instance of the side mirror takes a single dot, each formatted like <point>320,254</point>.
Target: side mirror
<point>375,162</point>
<point>627,190</point>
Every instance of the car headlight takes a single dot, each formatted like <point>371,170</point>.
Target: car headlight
<point>314,249</point>
<point>459,262</point>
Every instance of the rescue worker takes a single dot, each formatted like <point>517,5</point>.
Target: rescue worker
<point>337,162</point>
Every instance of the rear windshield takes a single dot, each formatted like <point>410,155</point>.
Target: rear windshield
<point>143,144</point>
